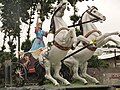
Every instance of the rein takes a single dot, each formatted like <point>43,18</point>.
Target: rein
<point>80,23</point>
<point>85,46</point>
<point>93,20</point>
<point>76,52</point>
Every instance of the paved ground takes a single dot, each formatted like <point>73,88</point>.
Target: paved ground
<point>71,87</point>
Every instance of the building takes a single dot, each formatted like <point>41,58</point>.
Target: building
<point>110,55</point>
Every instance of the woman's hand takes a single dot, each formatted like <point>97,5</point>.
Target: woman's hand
<point>26,63</point>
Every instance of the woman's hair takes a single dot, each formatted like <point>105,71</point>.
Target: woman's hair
<point>28,54</point>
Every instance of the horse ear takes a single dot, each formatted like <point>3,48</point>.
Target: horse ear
<point>88,7</point>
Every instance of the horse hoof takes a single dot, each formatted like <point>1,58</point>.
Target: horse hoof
<point>97,83</point>
<point>85,83</point>
<point>118,47</point>
<point>68,84</point>
<point>119,35</point>
<point>57,84</point>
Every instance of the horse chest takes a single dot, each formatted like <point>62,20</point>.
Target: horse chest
<point>56,55</point>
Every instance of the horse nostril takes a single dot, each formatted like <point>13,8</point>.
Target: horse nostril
<point>104,18</point>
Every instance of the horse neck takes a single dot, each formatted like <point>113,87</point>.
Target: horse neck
<point>65,35</point>
<point>87,27</point>
<point>59,22</point>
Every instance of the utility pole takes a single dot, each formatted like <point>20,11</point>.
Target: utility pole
<point>18,31</point>
<point>115,57</point>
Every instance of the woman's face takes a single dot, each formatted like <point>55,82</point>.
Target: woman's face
<point>39,25</point>
<point>26,57</point>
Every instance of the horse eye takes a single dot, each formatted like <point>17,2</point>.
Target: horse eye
<point>94,11</point>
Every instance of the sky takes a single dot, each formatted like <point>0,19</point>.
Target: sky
<point>109,8</point>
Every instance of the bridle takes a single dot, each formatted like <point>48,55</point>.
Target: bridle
<point>90,13</point>
<point>90,32</point>
<point>80,23</point>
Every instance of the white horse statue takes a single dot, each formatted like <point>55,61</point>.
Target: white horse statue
<point>63,41</point>
<point>91,34</point>
<point>64,38</point>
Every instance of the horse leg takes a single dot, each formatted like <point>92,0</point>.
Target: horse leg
<point>74,37</point>
<point>82,38</point>
<point>71,34</point>
<point>107,40</point>
<point>75,72</point>
<point>74,64</point>
<point>48,73</point>
<point>102,37</point>
<point>57,68</point>
<point>84,73</point>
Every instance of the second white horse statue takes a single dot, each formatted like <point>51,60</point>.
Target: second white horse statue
<point>91,34</point>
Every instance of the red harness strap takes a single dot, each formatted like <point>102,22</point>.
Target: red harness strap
<point>90,32</point>
<point>58,45</point>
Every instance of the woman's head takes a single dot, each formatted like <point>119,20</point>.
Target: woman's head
<point>27,56</point>
<point>39,24</point>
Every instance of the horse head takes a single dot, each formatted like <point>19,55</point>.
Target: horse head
<point>92,14</point>
<point>63,37</point>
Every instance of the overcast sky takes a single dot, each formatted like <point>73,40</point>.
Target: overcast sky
<point>109,8</point>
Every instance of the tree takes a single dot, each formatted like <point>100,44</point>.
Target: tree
<point>94,62</point>
<point>14,12</point>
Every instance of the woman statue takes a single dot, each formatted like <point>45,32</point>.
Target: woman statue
<point>38,42</point>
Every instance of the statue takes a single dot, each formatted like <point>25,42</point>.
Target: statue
<point>93,35</point>
<point>64,38</point>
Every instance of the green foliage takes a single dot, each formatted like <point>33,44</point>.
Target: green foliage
<point>26,45</point>
<point>78,32</point>
<point>10,17</point>
<point>74,18</point>
<point>15,11</point>
<point>94,62</point>
<point>73,2</point>
<point>7,56</point>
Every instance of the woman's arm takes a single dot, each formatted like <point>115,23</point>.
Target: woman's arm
<point>38,25</point>
<point>45,33</point>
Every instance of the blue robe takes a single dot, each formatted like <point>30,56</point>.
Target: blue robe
<point>38,42</point>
